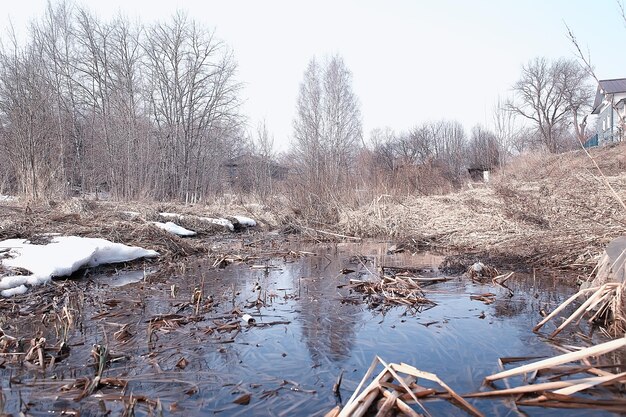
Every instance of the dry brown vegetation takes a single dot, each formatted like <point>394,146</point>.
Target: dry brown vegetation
<point>541,210</point>
<point>117,222</point>
<point>551,210</point>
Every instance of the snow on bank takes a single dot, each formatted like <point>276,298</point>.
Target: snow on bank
<point>242,220</point>
<point>175,229</point>
<point>7,198</point>
<point>171,215</point>
<point>63,256</point>
<point>245,221</point>
<point>219,221</point>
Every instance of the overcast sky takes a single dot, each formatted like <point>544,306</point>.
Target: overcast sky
<point>412,60</point>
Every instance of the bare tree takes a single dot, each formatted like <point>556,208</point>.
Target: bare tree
<point>194,103</point>
<point>383,145</point>
<point>441,143</point>
<point>451,146</point>
<point>307,125</point>
<point>264,167</point>
<point>417,146</point>
<point>429,158</point>
<point>127,107</point>
<point>341,114</point>
<point>96,90</point>
<point>378,161</point>
<point>573,82</point>
<point>483,149</point>
<point>505,129</point>
<point>115,106</point>
<point>380,136</point>
<point>54,35</point>
<point>27,110</point>
<point>327,127</point>
<point>549,95</point>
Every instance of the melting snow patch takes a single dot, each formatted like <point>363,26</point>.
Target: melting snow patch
<point>245,221</point>
<point>221,221</point>
<point>174,229</point>
<point>20,289</point>
<point>63,256</point>
<point>171,215</point>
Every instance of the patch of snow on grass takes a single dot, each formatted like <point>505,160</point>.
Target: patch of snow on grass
<point>245,221</point>
<point>221,221</point>
<point>63,256</point>
<point>173,228</point>
<point>171,215</point>
<point>20,289</point>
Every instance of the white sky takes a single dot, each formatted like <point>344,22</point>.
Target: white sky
<point>412,60</point>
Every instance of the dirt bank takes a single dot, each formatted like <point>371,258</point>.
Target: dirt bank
<point>128,223</point>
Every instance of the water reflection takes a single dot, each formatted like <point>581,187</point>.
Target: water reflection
<point>529,295</point>
<point>327,315</point>
<point>460,339</point>
<point>328,326</point>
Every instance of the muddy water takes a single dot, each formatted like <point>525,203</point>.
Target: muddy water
<point>307,331</point>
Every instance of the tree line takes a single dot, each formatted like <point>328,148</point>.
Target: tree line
<point>153,111</point>
<point>135,110</point>
<point>547,110</point>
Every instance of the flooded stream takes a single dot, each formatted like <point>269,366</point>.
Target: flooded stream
<point>177,347</point>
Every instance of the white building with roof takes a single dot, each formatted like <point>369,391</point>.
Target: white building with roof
<point>609,106</point>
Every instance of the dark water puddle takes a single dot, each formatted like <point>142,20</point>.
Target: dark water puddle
<point>307,330</point>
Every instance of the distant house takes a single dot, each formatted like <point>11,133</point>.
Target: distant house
<point>478,174</point>
<point>610,107</point>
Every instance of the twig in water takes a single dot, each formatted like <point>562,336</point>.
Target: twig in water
<point>338,383</point>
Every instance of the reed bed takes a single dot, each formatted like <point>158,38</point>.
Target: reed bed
<point>552,211</point>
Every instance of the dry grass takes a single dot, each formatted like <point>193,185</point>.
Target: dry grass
<point>603,305</point>
<point>111,221</point>
<point>552,210</point>
<point>547,210</point>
